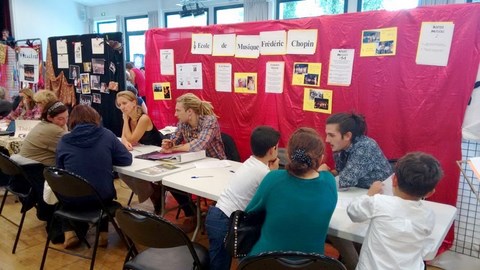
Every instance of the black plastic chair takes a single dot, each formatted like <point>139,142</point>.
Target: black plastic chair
<point>290,260</point>
<point>19,185</point>
<point>230,148</point>
<point>168,247</point>
<point>68,185</point>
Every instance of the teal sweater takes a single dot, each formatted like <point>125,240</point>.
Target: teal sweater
<point>298,212</point>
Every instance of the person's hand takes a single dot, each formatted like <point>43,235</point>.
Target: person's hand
<point>274,164</point>
<point>128,145</point>
<point>167,144</point>
<point>324,167</point>
<point>375,188</point>
<point>166,150</point>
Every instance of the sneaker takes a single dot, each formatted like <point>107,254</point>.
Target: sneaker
<point>189,224</point>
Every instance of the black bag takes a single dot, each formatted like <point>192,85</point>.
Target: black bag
<point>243,232</point>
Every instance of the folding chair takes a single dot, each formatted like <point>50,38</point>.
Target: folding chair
<point>168,247</point>
<point>67,185</point>
<point>290,260</point>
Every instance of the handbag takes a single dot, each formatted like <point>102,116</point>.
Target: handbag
<point>243,232</point>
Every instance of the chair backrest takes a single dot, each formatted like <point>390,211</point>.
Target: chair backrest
<point>230,148</point>
<point>291,260</point>
<point>9,167</point>
<point>67,184</point>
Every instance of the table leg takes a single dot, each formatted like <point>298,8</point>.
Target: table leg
<point>199,219</point>
<point>162,203</point>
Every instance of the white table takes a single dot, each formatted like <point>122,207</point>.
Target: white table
<point>340,224</point>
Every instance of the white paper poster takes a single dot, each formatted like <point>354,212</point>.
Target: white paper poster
<point>273,43</point>
<point>434,44</point>
<point>223,77</point>
<point>62,60</point>
<point>189,76</point>
<point>248,46</point>
<point>166,62</point>
<point>224,45</point>
<point>302,41</point>
<point>28,61</point>
<point>341,67</point>
<point>275,72</point>
<point>97,46</point>
<point>202,44</point>
<point>62,46</point>
<point>77,48</point>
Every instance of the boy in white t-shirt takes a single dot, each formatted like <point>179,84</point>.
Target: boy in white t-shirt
<point>399,224</point>
<point>237,195</point>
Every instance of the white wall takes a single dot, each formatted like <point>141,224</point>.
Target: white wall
<point>125,9</point>
<point>46,18</point>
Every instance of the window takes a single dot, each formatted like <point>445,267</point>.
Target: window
<point>473,1</point>
<point>173,19</point>
<point>289,9</point>
<point>106,27</point>
<point>367,5</point>
<point>228,14</point>
<point>135,28</point>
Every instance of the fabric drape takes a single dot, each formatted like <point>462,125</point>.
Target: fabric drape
<point>255,10</point>
<point>120,23</point>
<point>152,19</point>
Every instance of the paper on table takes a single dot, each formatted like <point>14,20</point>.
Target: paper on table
<point>168,129</point>
<point>212,164</point>
<point>475,165</point>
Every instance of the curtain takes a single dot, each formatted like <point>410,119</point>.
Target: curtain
<point>120,23</point>
<point>435,2</point>
<point>152,19</point>
<point>255,10</point>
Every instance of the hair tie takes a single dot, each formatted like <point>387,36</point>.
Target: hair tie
<point>300,156</point>
<point>54,106</point>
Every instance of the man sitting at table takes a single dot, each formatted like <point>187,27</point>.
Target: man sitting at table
<point>242,187</point>
<point>399,224</point>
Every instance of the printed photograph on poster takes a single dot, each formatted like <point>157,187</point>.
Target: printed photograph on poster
<point>85,78</point>
<point>189,76</point>
<point>306,74</point>
<point>245,82</point>
<point>162,91</point>
<point>29,73</point>
<point>98,65</point>
<point>317,100</point>
<point>95,82</point>
<point>86,100</point>
<point>87,66</point>
<point>112,67</point>
<point>97,46</point>
<point>62,61</point>
<point>28,64</point>
<point>86,89</point>
<point>379,42</point>
<point>97,98</point>
<point>73,72</point>
<point>77,48</point>
<point>104,88</point>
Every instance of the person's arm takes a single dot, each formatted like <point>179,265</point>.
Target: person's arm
<point>120,154</point>
<point>359,164</point>
<point>361,209</point>
<point>134,136</point>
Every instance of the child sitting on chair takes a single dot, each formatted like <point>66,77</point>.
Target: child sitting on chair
<point>399,224</point>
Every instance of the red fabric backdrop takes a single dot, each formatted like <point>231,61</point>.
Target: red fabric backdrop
<point>408,107</point>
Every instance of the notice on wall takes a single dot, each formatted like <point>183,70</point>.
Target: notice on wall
<point>77,49</point>
<point>379,42</point>
<point>434,43</point>
<point>201,44</point>
<point>273,42</point>
<point>302,41</point>
<point>275,72</point>
<point>62,46</point>
<point>166,62</point>
<point>245,82</point>
<point>62,61</point>
<point>162,91</point>
<point>341,67</point>
<point>98,46</point>
<point>317,100</point>
<point>189,76</point>
<point>248,46</point>
<point>224,45</point>
<point>28,62</point>
<point>223,77</point>
<point>306,74</point>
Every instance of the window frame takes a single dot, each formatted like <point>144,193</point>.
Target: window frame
<point>215,9</point>
<point>166,14</point>
<point>132,33</point>
<point>278,2</point>
<point>103,22</point>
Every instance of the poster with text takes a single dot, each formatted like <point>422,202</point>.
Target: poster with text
<point>223,77</point>
<point>317,100</point>
<point>434,43</point>
<point>306,73</point>
<point>166,62</point>
<point>28,62</point>
<point>245,82</point>
<point>379,42</point>
<point>98,46</point>
<point>341,67</point>
<point>189,76</point>
<point>162,91</point>
<point>275,72</point>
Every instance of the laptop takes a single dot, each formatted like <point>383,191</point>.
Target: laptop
<point>10,131</point>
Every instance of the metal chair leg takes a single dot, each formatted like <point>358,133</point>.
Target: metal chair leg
<point>130,200</point>
<point>3,200</point>
<point>20,226</point>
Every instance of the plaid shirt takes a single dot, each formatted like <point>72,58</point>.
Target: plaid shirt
<point>361,164</point>
<point>206,136</point>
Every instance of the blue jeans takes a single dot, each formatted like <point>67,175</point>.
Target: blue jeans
<point>216,224</point>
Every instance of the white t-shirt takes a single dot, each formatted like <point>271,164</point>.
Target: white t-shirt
<point>397,235</point>
<point>243,186</point>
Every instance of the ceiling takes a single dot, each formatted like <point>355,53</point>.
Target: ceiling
<point>92,3</point>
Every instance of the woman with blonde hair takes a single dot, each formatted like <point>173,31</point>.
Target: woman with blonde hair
<point>27,108</point>
<point>43,97</point>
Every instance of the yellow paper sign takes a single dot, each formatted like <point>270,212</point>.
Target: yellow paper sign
<point>317,100</point>
<point>379,42</point>
<point>162,91</point>
<point>245,82</point>
<point>307,74</point>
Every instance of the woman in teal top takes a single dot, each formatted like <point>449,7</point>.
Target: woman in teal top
<point>298,201</point>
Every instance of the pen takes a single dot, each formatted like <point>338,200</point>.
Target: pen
<point>232,171</point>
<point>201,176</point>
